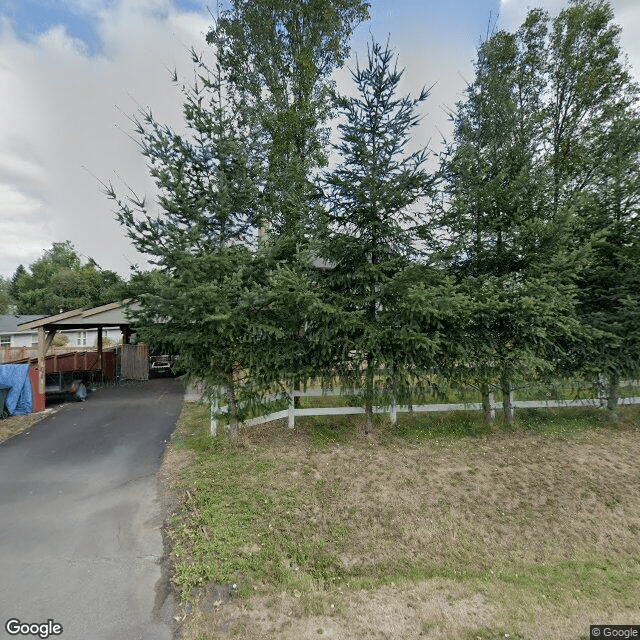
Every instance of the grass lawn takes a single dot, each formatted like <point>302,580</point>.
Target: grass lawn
<point>437,528</point>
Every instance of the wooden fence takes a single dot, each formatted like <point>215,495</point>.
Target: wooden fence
<point>292,412</point>
<point>134,362</point>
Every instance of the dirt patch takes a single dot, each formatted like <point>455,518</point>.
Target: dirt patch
<point>513,535</point>
<point>13,425</point>
<point>432,609</point>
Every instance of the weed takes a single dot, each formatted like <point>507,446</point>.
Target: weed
<point>613,502</point>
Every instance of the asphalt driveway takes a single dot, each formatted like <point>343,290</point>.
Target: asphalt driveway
<point>80,516</point>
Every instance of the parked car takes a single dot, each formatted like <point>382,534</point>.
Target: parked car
<point>161,365</point>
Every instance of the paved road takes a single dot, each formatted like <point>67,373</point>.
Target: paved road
<point>80,515</point>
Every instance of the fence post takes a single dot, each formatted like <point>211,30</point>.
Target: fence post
<point>214,413</point>
<point>601,391</point>
<point>292,409</point>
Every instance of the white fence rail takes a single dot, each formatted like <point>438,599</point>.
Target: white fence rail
<point>292,412</point>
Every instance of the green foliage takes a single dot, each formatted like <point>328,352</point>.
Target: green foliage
<point>59,281</point>
<point>253,118</point>
<point>195,303</point>
<point>280,57</point>
<point>529,179</point>
<point>369,233</point>
<point>526,269</point>
<point>586,78</point>
<point>594,158</point>
<point>609,287</point>
<point>6,302</point>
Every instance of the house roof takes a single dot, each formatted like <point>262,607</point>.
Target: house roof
<point>9,323</point>
<point>107,315</point>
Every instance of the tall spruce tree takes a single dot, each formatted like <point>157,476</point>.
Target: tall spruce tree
<point>200,237</point>
<point>503,245</point>
<point>254,137</point>
<point>370,233</point>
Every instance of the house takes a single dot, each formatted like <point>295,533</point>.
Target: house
<point>13,336</point>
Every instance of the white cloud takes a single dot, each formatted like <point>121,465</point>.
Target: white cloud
<point>24,234</point>
<point>59,109</point>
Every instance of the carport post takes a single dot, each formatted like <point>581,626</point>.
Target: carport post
<point>41,361</point>
<point>100,352</point>
<point>43,347</point>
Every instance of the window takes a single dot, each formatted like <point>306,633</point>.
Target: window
<point>5,341</point>
<point>82,339</point>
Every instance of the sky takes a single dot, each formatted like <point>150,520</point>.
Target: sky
<point>72,72</point>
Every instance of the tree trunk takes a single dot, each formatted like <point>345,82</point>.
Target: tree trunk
<point>296,387</point>
<point>233,409</point>
<point>368,400</point>
<point>487,409</point>
<point>613,389</point>
<point>507,397</point>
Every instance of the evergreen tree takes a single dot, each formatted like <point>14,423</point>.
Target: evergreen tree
<point>17,280</point>
<point>369,235</point>
<point>6,302</point>
<point>504,247</point>
<point>255,137</point>
<point>200,238</point>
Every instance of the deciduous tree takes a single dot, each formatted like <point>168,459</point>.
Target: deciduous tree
<point>59,281</point>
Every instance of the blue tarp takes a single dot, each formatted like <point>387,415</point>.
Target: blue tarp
<point>20,400</point>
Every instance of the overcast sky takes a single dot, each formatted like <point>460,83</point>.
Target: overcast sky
<point>72,70</point>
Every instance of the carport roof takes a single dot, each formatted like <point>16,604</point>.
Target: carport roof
<point>107,315</point>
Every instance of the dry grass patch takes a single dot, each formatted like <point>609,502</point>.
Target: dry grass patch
<point>13,425</point>
<point>411,533</point>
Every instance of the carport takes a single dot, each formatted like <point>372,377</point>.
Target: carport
<point>105,316</point>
